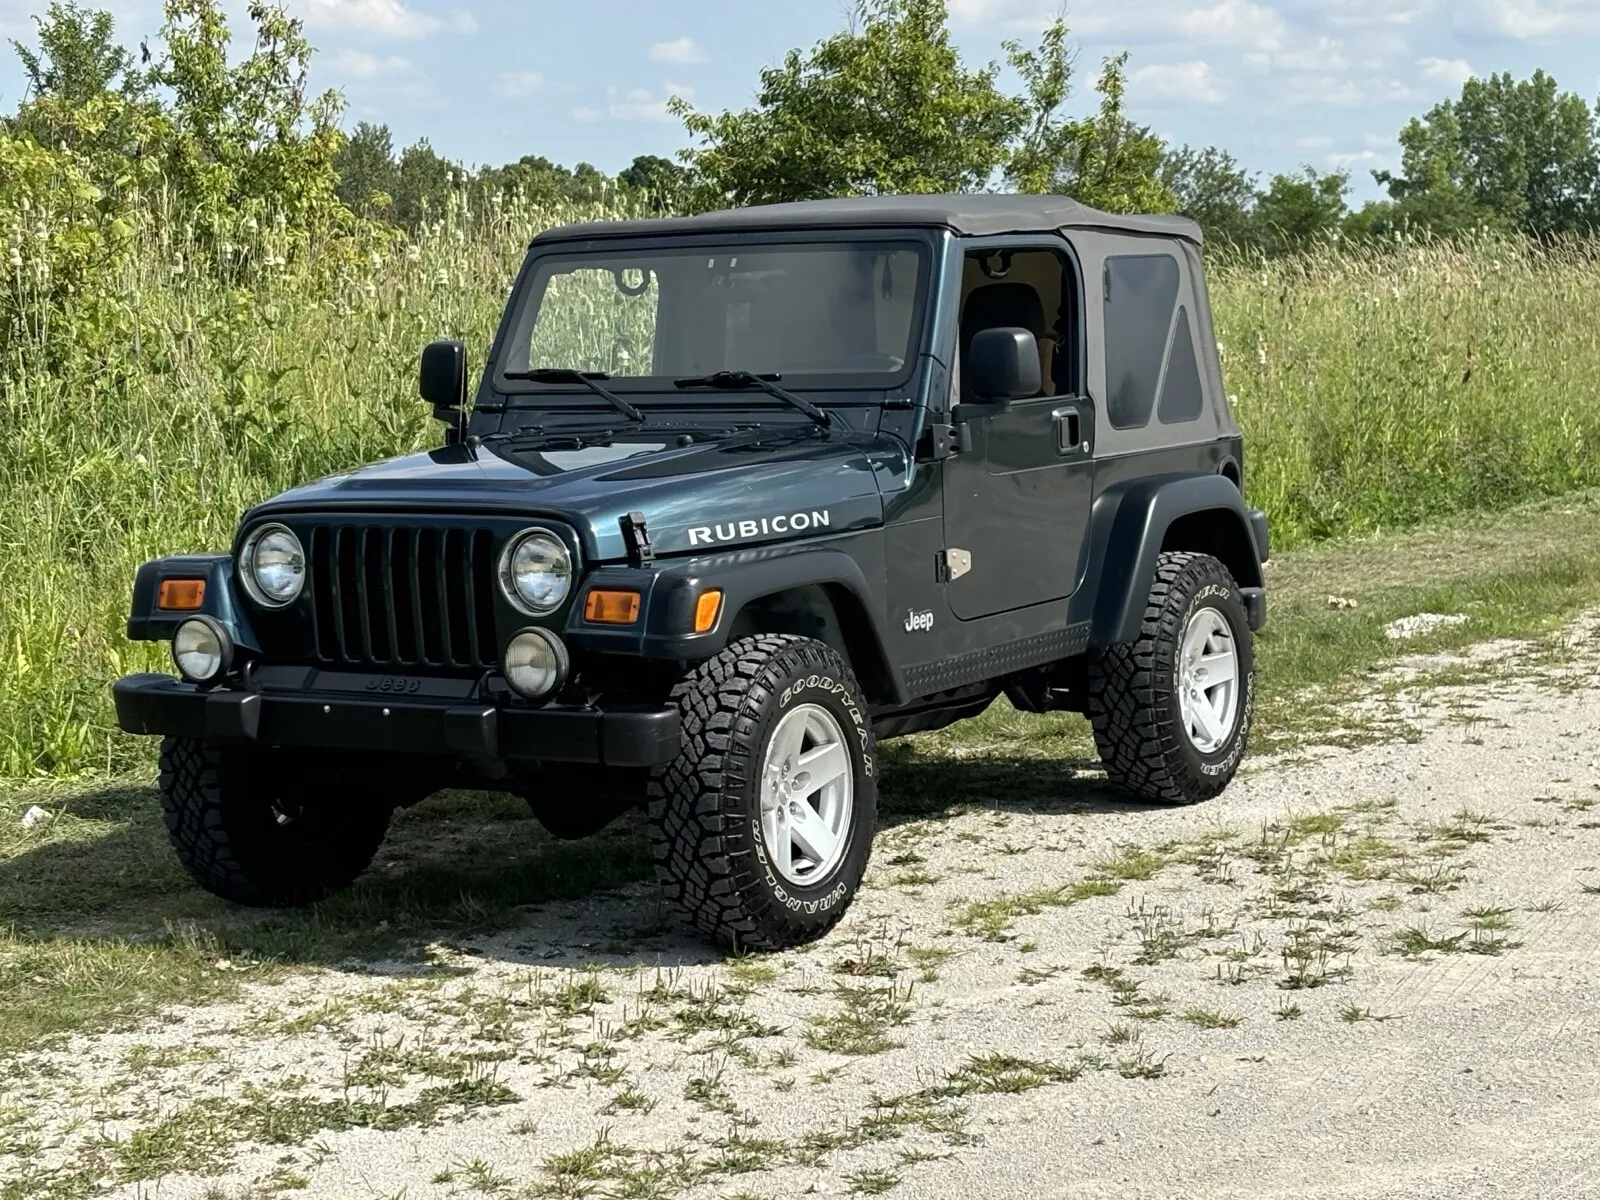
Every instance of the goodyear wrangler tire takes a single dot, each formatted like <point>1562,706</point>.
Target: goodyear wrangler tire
<point>1171,710</point>
<point>250,841</point>
<point>762,826</point>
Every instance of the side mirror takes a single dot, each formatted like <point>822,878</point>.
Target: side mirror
<point>443,379</point>
<point>1003,365</point>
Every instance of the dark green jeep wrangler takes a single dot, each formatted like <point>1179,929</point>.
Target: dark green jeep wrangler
<point>736,496</point>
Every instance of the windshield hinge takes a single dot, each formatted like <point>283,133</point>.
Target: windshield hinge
<point>636,536</point>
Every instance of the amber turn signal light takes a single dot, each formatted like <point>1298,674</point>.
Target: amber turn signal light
<point>181,595</point>
<point>706,610</point>
<point>605,607</point>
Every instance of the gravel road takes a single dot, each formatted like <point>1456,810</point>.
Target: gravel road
<point>1364,972</point>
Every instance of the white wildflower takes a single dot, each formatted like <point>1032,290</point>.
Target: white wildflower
<point>413,253</point>
<point>443,277</point>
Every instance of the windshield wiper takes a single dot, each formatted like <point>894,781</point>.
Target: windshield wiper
<point>737,381</point>
<point>586,379</point>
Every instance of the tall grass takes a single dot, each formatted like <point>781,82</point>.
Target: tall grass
<point>1375,388</point>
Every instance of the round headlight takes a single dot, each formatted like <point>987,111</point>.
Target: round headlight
<point>273,566</point>
<point>536,663</point>
<point>201,649</point>
<point>536,572</point>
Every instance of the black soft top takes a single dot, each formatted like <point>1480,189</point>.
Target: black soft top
<point>983,214</point>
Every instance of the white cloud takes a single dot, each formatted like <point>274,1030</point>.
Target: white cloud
<point>1363,160</point>
<point>1235,23</point>
<point>389,18</point>
<point>517,85</point>
<point>633,104</point>
<point>1318,54</point>
<point>679,50</point>
<point>1193,81</point>
<point>358,64</point>
<point>1454,71</point>
<point>1529,18</point>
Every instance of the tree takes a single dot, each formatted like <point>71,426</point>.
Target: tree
<point>1517,155</point>
<point>422,185</point>
<point>247,141</point>
<point>77,59</point>
<point>1296,211</point>
<point>367,171</point>
<point>1109,162</point>
<point>885,106</point>
<point>659,178</point>
<point>1210,187</point>
<point>1103,160</point>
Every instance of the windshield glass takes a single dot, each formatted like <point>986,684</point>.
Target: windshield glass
<point>818,314</point>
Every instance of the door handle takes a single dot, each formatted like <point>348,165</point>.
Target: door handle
<point>1069,431</point>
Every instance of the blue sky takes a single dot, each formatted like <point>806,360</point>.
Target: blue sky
<point>1277,82</point>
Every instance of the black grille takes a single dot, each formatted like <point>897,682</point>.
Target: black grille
<point>385,596</point>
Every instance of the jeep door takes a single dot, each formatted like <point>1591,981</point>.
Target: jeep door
<point>1016,504</point>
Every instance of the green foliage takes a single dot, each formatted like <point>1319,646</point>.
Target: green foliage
<point>885,107</point>
<point>1510,154</point>
<point>1300,211</point>
<point>76,60</point>
<point>888,106</point>
<point>1210,187</point>
<point>1103,160</point>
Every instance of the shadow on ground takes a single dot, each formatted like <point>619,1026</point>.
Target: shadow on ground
<point>455,870</point>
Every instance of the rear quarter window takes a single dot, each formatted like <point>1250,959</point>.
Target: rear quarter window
<point>1141,293</point>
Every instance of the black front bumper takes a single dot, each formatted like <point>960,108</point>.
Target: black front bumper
<point>473,732</point>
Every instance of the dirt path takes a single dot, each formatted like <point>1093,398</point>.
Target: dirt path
<point>1365,973</point>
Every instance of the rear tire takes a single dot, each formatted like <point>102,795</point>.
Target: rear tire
<point>1167,727</point>
<point>248,838</point>
<point>762,826</point>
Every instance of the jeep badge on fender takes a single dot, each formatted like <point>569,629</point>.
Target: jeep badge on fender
<point>814,475</point>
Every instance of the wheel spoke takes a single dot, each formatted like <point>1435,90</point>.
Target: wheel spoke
<point>1219,668</point>
<point>1203,715</point>
<point>824,765</point>
<point>775,830</point>
<point>813,834</point>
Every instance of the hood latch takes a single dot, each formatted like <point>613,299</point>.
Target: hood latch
<point>636,536</point>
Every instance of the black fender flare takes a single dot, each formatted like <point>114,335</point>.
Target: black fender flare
<point>1128,528</point>
<point>672,590</point>
<point>147,623</point>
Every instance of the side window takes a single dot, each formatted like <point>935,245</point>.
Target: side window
<point>1141,292</point>
<point>1181,398</point>
<point>1032,289</point>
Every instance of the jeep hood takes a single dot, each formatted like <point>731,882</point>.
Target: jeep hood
<point>750,487</point>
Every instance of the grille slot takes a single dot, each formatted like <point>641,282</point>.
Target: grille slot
<point>383,596</point>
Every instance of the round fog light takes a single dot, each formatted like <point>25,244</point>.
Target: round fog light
<point>536,663</point>
<point>201,650</point>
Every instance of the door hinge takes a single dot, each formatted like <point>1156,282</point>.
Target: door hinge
<point>938,441</point>
<point>636,537</point>
<point>951,565</point>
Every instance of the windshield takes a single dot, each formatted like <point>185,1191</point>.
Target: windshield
<point>836,314</point>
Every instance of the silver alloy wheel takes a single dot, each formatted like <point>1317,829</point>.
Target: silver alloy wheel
<point>1208,680</point>
<point>807,795</point>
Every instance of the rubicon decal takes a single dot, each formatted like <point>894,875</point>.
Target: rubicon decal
<point>744,530</point>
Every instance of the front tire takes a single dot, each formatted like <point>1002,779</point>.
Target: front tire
<point>762,826</point>
<point>249,834</point>
<point>1171,710</point>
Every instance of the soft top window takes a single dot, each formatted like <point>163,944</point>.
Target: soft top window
<point>1141,293</point>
